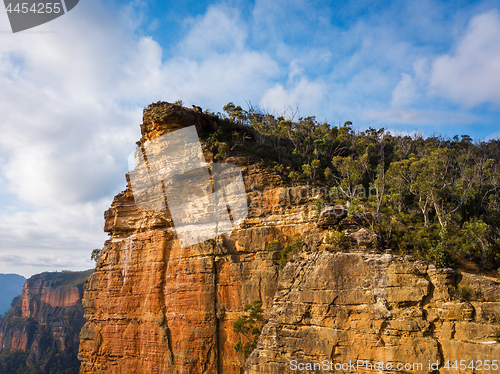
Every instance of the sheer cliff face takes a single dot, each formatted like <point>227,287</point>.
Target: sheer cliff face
<point>45,320</point>
<point>37,295</point>
<point>153,307</point>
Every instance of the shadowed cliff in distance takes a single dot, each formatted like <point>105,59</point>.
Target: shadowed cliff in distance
<point>345,255</point>
<point>11,285</point>
<point>40,333</point>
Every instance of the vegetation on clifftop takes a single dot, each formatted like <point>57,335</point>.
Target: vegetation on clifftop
<point>63,279</point>
<point>435,198</point>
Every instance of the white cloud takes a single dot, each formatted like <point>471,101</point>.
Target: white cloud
<point>492,136</point>
<point>217,80</point>
<point>64,130</point>
<point>471,75</point>
<point>70,115</point>
<point>468,76</point>
<point>219,31</point>
<point>51,238</point>
<point>418,117</point>
<point>405,92</point>
<point>71,104</point>
<point>71,101</point>
<point>308,95</point>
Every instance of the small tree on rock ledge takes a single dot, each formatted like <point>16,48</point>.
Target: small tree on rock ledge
<point>249,326</point>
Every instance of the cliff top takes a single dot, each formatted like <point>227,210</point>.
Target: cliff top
<point>61,279</point>
<point>163,117</point>
<point>445,189</point>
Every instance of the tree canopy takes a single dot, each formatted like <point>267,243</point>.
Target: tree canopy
<point>436,198</point>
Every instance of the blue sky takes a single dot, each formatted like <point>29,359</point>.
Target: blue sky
<point>407,66</point>
<point>72,91</point>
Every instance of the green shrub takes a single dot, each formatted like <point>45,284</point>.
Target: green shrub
<point>288,251</point>
<point>95,254</point>
<point>249,326</point>
<point>318,205</point>
<point>463,293</point>
<point>273,245</point>
<point>336,239</point>
<point>439,254</point>
<point>278,167</point>
<point>294,176</point>
<point>222,151</point>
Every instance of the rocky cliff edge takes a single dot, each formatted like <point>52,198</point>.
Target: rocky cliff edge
<point>154,307</point>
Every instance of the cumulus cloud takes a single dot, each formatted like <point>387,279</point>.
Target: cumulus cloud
<point>71,103</point>
<point>73,93</point>
<point>72,100</point>
<point>405,92</point>
<point>419,117</point>
<point>471,74</point>
<point>219,31</point>
<point>70,116</point>
<point>299,91</point>
<point>64,133</point>
<point>51,238</point>
<point>468,76</point>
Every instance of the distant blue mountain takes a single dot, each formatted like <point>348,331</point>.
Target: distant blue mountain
<point>11,285</point>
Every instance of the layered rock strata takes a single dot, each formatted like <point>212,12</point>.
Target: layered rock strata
<point>154,307</point>
<point>45,322</point>
<point>378,308</point>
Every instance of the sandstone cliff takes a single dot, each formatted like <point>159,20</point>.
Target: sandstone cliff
<point>44,323</point>
<point>154,307</point>
<point>343,307</point>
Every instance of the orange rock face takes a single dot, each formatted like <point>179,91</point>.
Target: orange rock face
<point>46,319</point>
<point>367,307</point>
<point>55,297</point>
<point>154,307</point>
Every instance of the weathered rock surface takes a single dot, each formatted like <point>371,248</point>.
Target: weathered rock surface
<point>153,307</point>
<point>343,307</point>
<point>45,321</point>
